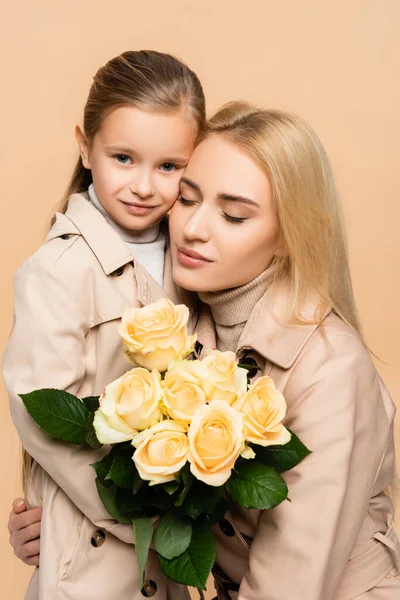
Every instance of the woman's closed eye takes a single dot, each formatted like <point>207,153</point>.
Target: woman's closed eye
<point>232,219</point>
<point>185,201</point>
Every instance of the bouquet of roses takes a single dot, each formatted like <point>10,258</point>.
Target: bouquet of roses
<point>183,435</point>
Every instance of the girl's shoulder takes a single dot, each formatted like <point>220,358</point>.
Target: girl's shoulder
<point>63,252</point>
<point>79,241</point>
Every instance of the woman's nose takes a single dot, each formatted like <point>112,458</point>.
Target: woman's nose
<point>197,227</point>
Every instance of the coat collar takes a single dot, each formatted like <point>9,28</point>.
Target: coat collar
<point>265,333</point>
<point>109,249</point>
<point>82,218</point>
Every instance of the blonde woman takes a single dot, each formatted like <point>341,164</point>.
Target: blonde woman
<point>257,232</point>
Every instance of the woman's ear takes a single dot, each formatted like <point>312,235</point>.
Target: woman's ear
<point>83,145</point>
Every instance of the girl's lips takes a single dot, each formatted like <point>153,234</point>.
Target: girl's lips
<point>190,258</point>
<point>138,209</point>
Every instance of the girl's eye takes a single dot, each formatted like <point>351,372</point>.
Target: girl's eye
<point>185,202</point>
<point>231,219</point>
<point>168,167</point>
<point>123,159</point>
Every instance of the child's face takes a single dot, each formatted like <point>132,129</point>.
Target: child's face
<point>137,159</point>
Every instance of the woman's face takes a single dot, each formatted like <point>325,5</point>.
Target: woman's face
<point>224,230</point>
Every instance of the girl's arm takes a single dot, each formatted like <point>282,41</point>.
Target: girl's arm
<point>302,547</point>
<point>47,349</point>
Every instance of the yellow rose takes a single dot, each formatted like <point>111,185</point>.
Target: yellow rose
<point>264,409</point>
<point>156,335</point>
<point>185,389</point>
<point>229,380</point>
<point>216,438</point>
<point>128,404</point>
<point>161,451</point>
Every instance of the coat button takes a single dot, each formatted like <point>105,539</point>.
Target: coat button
<point>250,361</point>
<point>226,528</point>
<point>98,538</point>
<point>119,272</point>
<point>149,588</point>
<point>65,236</point>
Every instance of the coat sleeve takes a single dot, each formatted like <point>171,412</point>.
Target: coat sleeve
<point>302,547</point>
<point>47,349</point>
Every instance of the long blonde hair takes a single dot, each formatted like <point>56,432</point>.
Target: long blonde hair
<point>147,80</point>
<point>313,257</point>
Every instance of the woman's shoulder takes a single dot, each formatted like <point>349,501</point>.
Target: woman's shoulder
<point>336,358</point>
<point>335,341</point>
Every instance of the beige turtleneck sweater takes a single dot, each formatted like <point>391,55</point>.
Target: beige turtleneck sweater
<point>231,309</point>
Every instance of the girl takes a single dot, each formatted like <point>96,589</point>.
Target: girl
<point>257,231</point>
<point>104,252</point>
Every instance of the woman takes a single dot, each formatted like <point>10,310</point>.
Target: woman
<point>257,232</point>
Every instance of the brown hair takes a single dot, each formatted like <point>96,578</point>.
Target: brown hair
<point>313,254</point>
<point>145,79</point>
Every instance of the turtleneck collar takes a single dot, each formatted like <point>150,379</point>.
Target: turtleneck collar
<point>145,236</point>
<point>231,309</point>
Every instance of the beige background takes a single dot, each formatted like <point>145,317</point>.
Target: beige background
<point>335,62</point>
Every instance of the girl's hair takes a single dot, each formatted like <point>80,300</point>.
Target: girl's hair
<point>148,80</point>
<point>313,258</point>
<point>145,79</point>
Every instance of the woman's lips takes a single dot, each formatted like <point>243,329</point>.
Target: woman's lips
<point>190,258</point>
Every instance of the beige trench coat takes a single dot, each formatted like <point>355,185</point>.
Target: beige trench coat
<point>68,299</point>
<point>335,539</point>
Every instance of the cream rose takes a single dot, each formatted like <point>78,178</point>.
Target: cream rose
<point>185,389</point>
<point>216,438</point>
<point>161,451</point>
<point>264,409</point>
<point>156,335</point>
<point>229,380</point>
<point>129,404</point>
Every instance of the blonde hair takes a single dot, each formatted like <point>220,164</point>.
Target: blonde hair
<point>148,80</point>
<point>313,257</point>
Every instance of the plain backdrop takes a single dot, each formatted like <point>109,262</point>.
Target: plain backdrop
<point>336,63</point>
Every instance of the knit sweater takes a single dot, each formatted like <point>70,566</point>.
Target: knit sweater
<point>232,308</point>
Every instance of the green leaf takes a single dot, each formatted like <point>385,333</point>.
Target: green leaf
<point>138,483</point>
<point>103,466</point>
<point>201,499</point>
<point>122,470</point>
<point>193,566</point>
<point>282,458</point>
<point>143,529</point>
<point>171,487</point>
<point>219,512</point>
<point>187,479</point>
<point>172,536</point>
<point>91,437</point>
<point>253,485</point>
<point>91,403</point>
<point>128,503</point>
<point>108,496</point>
<point>58,413</point>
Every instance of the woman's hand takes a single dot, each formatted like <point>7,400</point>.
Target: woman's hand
<point>24,527</point>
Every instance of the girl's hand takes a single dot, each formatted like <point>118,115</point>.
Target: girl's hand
<point>24,527</point>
